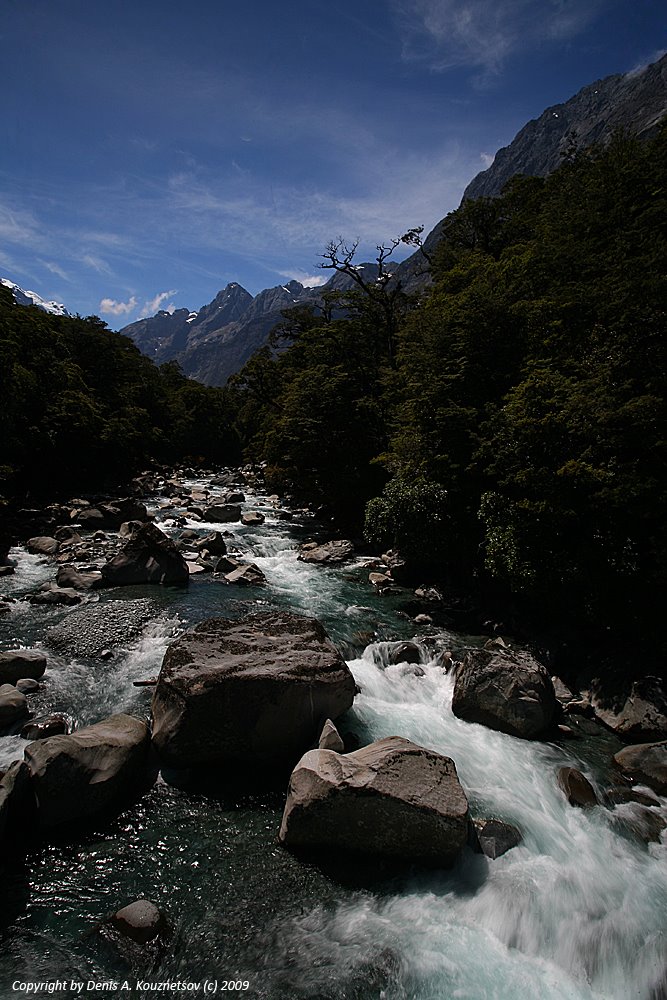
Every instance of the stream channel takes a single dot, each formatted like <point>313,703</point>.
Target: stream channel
<point>577,911</point>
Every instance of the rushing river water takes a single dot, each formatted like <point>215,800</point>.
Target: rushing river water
<point>577,911</point>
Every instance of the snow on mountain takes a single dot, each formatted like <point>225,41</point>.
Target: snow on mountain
<point>24,297</point>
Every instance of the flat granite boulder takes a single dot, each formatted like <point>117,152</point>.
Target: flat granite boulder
<point>509,691</point>
<point>392,799</point>
<point>91,771</point>
<point>254,692</point>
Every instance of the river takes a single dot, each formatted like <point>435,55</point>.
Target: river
<point>578,911</point>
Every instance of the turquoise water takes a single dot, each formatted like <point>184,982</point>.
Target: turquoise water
<point>578,911</point>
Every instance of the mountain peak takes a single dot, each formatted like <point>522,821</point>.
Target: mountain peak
<point>24,297</point>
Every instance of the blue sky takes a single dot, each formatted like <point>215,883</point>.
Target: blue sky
<point>154,150</point>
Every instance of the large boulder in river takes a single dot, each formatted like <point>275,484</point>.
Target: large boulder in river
<point>13,705</point>
<point>391,799</point>
<point>645,763</point>
<point>18,663</point>
<point>111,515</point>
<point>329,552</point>
<point>149,556</point>
<point>637,714</point>
<point>222,513</point>
<point>254,692</point>
<point>507,690</point>
<point>93,770</point>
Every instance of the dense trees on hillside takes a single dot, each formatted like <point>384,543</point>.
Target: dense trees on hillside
<point>518,411</point>
<point>82,407</point>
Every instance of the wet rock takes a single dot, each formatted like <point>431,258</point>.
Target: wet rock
<point>252,518</point>
<point>13,705</point>
<point>51,594</point>
<point>246,575</point>
<point>141,921</point>
<point>330,738</point>
<point>226,564</point>
<point>18,663</point>
<point>213,543</point>
<point>223,513</point>
<point>617,796</point>
<point>67,536</point>
<point>50,725</point>
<point>330,552</point>
<point>149,556</point>
<point>562,691</point>
<point>26,685</point>
<point>15,798</point>
<point>129,528</point>
<point>380,580</point>
<point>423,619</point>
<point>645,763</point>
<point>253,691</point>
<point>110,516</point>
<point>639,717</point>
<point>404,652</point>
<point>577,787</point>
<point>581,706</point>
<point>493,837</point>
<point>69,576</point>
<point>91,771</point>
<point>391,799</point>
<point>509,691</point>
<point>6,569</point>
<point>42,545</point>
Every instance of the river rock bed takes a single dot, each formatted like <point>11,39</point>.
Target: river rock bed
<point>549,917</point>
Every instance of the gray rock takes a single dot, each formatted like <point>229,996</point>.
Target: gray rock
<point>13,705</point>
<point>214,543</point>
<point>493,837</point>
<point>252,691</point>
<point>246,575</point>
<point>645,763</point>
<point>404,652</point>
<point>18,663</point>
<point>149,556</point>
<point>641,716</point>
<point>561,690</point>
<point>14,795</point>
<point>577,787</point>
<point>252,518</point>
<point>43,545</point>
<point>70,576</point>
<point>129,528</point>
<point>141,921</point>
<point>330,552</point>
<point>27,685</point>
<point>330,738</point>
<point>224,513</point>
<point>110,516</point>
<point>50,725</point>
<point>52,594</point>
<point>93,770</point>
<point>391,799</point>
<point>508,691</point>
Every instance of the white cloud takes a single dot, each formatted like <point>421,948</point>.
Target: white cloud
<point>482,34</point>
<point>112,308</point>
<point>96,264</point>
<point>308,280</point>
<point>487,159</point>
<point>151,306</point>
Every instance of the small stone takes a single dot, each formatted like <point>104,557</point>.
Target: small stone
<point>27,685</point>
<point>141,921</point>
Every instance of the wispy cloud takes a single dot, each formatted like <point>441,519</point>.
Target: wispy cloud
<point>153,305</point>
<point>96,264</point>
<point>56,269</point>
<point>109,307</point>
<point>482,34</point>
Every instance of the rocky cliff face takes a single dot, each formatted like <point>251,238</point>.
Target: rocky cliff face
<point>635,102</point>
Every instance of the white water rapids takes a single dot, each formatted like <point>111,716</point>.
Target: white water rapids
<point>577,912</point>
